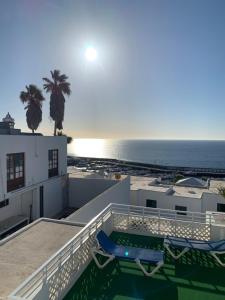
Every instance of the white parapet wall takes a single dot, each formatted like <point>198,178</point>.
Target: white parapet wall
<point>119,192</point>
<point>83,190</point>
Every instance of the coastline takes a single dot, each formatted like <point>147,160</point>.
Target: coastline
<point>152,168</point>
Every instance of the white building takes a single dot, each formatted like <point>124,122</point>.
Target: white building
<point>150,192</point>
<point>33,177</point>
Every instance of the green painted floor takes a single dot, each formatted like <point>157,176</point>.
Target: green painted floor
<point>194,277</point>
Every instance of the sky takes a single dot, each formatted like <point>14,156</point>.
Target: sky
<point>159,72</point>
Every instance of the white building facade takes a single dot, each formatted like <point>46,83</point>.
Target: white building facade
<point>146,192</point>
<point>33,176</point>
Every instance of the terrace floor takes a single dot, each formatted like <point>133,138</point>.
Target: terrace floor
<point>195,276</point>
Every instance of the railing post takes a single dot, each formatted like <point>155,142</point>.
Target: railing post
<point>159,220</point>
<point>45,281</point>
<point>210,225</point>
<point>175,224</point>
<point>71,256</point>
<point>192,226</point>
<point>128,218</point>
<point>60,270</point>
<point>143,219</point>
<point>45,276</point>
<point>102,222</point>
<point>112,218</point>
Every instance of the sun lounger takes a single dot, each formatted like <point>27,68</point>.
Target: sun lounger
<point>106,247</point>
<point>184,244</point>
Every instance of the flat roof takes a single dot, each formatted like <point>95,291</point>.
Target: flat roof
<point>79,173</point>
<point>25,251</point>
<point>191,192</point>
<point>147,183</point>
<point>75,172</point>
<point>150,184</point>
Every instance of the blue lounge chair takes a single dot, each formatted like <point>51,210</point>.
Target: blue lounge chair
<point>184,244</point>
<point>106,247</point>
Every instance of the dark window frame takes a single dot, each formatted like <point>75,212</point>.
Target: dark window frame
<point>221,205</point>
<point>4,203</point>
<point>151,205</point>
<point>53,162</point>
<point>181,210</point>
<point>15,171</point>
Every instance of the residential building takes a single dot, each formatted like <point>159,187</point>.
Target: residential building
<point>152,192</point>
<point>33,176</point>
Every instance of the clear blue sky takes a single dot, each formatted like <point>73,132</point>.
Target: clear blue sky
<point>160,71</point>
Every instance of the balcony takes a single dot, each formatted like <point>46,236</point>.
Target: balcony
<point>72,274</point>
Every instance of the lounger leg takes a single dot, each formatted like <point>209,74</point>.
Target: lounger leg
<point>101,266</point>
<point>159,265</point>
<point>214,254</point>
<point>173,255</point>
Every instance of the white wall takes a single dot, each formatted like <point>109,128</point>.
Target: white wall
<point>82,190</point>
<point>36,174</point>
<point>36,157</point>
<point>210,201</point>
<point>118,193</point>
<point>165,201</point>
<point>54,193</point>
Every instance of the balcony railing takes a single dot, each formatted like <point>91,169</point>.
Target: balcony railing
<point>55,278</point>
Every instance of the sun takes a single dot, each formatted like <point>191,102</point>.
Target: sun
<point>90,54</point>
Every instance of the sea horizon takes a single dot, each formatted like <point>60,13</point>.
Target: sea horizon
<point>178,153</point>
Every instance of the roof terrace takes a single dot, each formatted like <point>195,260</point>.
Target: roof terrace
<point>195,276</point>
<point>72,274</point>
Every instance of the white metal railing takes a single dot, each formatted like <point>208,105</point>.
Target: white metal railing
<point>57,275</point>
<point>161,222</point>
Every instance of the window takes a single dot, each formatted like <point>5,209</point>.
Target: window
<point>151,203</point>
<point>220,207</point>
<point>15,171</point>
<point>53,163</point>
<point>181,208</point>
<point>4,203</point>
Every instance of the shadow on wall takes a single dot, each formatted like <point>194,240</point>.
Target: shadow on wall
<point>119,192</point>
<point>82,190</point>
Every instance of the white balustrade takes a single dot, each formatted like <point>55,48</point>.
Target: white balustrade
<point>55,278</point>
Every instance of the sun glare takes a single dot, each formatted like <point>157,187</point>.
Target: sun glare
<point>88,147</point>
<point>91,54</point>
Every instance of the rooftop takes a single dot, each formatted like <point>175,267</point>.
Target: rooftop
<point>75,172</point>
<point>192,182</point>
<point>151,184</point>
<point>22,253</point>
<point>195,276</point>
<point>79,173</point>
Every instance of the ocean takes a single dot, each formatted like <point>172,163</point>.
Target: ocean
<point>196,154</point>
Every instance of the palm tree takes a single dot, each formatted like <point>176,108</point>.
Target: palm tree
<point>58,87</point>
<point>33,97</point>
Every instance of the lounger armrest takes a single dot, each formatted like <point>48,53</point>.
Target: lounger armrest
<point>215,253</point>
<point>95,251</point>
<point>218,252</point>
<point>186,249</point>
<point>149,274</point>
